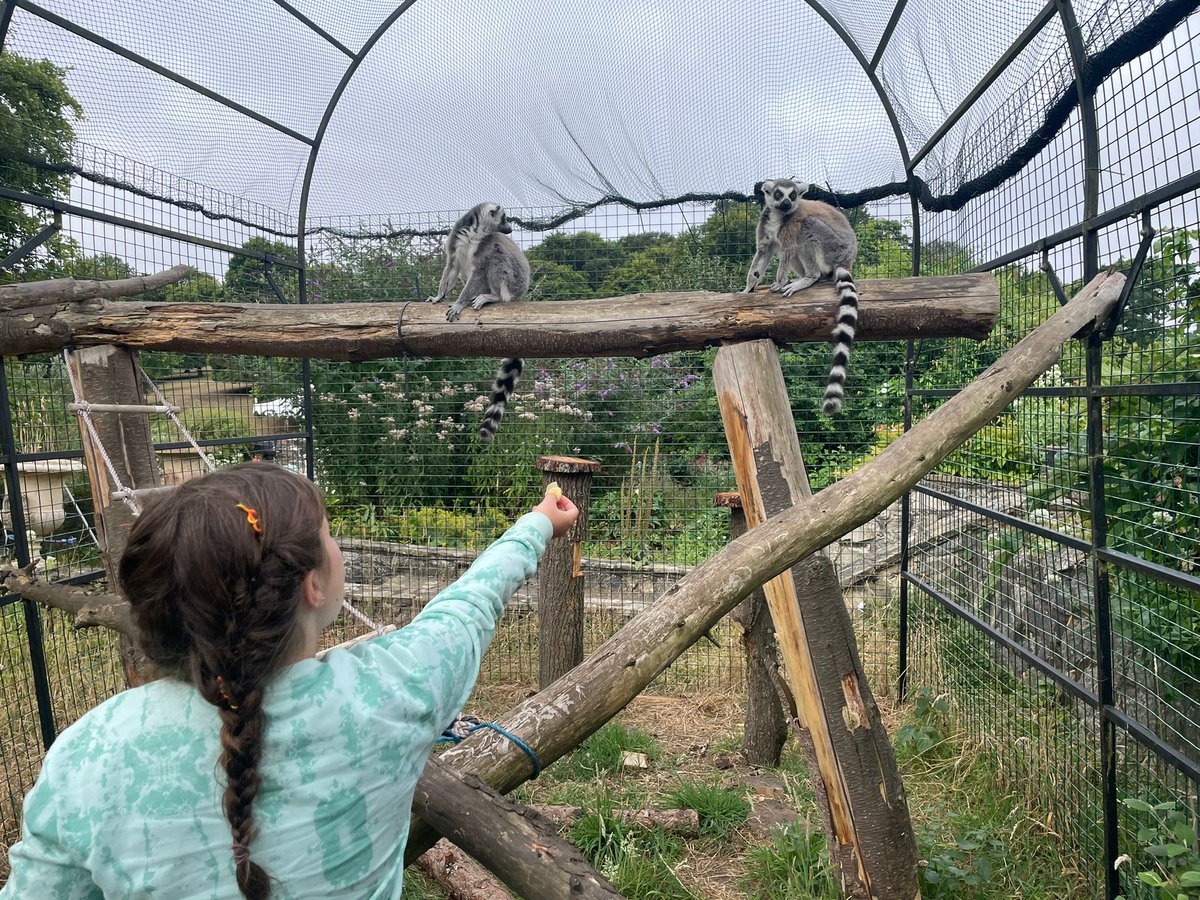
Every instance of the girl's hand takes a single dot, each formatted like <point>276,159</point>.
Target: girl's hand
<point>561,512</point>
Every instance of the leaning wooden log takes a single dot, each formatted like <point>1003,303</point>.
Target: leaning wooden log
<point>636,325</point>
<point>74,290</point>
<point>513,841</point>
<point>557,719</point>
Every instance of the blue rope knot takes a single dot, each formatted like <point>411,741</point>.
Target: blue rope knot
<point>451,736</point>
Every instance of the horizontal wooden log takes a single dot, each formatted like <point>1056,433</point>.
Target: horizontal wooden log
<point>73,290</point>
<point>561,716</point>
<point>681,822</point>
<point>635,325</point>
<point>513,841</point>
<point>458,875</point>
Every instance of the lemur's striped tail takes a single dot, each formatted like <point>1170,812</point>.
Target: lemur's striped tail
<point>843,337</point>
<point>506,382</point>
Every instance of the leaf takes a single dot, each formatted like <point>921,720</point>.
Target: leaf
<point>1139,805</point>
<point>1190,878</point>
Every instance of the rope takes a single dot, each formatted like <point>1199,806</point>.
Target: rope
<point>450,736</point>
<point>179,426</point>
<point>83,410</point>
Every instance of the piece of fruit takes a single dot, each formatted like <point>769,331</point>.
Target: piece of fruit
<point>554,490</point>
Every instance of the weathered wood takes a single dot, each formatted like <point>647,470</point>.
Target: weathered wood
<point>765,729</point>
<point>681,822</point>
<point>109,375</point>
<point>636,325</point>
<point>90,610</point>
<point>557,719</point>
<point>511,840</point>
<point>560,577</point>
<point>869,831</point>
<point>458,875</point>
<point>73,290</point>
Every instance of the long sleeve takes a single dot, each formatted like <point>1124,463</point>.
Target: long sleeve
<point>434,660</point>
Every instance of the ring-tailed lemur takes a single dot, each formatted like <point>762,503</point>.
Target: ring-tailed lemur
<point>814,240</point>
<point>493,270</point>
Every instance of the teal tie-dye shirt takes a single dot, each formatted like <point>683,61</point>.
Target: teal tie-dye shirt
<point>128,803</point>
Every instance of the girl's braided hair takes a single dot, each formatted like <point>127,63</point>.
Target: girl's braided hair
<point>215,602</point>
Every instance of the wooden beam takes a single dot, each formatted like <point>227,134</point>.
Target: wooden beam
<point>637,325</point>
<point>109,375</point>
<point>854,769</point>
<point>559,718</point>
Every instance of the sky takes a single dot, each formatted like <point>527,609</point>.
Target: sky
<point>537,105</point>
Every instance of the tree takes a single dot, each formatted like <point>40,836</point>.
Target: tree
<point>586,252</point>
<point>36,135</point>
<point>246,278</point>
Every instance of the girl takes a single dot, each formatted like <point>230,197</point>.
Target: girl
<point>254,769</point>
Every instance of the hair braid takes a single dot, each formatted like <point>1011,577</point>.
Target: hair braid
<point>215,603</point>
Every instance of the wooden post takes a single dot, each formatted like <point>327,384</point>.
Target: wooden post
<point>855,774</point>
<point>560,576</point>
<point>765,729</point>
<point>109,374</point>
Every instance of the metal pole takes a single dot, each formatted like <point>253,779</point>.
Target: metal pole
<point>1101,586</point>
<point>33,620</point>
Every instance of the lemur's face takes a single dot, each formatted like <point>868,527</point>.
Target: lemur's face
<point>782,194</point>
<point>492,217</point>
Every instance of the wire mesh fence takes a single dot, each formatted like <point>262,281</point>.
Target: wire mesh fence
<point>1050,590</point>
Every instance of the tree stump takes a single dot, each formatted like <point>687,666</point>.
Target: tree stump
<point>560,576</point>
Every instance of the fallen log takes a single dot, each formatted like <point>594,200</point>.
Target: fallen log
<point>635,325</point>
<point>458,875</point>
<point>680,822</point>
<point>513,841</point>
<point>558,718</point>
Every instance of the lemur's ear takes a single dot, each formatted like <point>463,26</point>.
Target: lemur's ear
<point>761,189</point>
<point>803,187</point>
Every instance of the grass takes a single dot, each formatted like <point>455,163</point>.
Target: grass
<point>975,839</point>
<point>722,810</point>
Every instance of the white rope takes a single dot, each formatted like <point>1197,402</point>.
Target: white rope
<point>83,409</point>
<point>179,426</point>
<point>84,413</point>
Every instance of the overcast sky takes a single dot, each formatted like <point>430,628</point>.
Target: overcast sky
<point>537,104</point>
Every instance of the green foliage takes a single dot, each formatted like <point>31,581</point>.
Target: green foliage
<point>966,869</point>
<point>555,281</point>
<point>602,752</point>
<point>924,733</point>
<point>204,424</point>
<point>796,864</point>
<point>584,251</point>
<point>721,810</point>
<point>36,135</point>
<point>1167,861</point>
<point>427,526</point>
<point>638,861</point>
<point>246,278</point>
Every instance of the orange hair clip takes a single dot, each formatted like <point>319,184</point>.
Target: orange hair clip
<point>251,517</point>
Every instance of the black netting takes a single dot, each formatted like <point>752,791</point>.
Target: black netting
<point>319,151</point>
